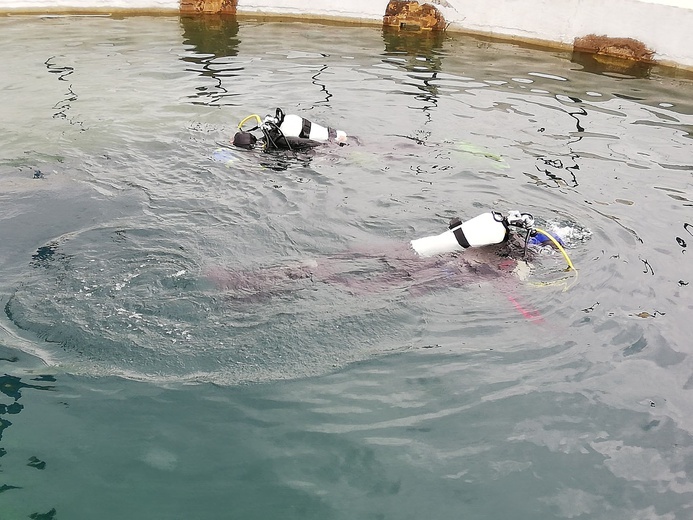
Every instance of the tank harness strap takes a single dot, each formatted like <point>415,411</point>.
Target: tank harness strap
<point>305,129</point>
<point>456,228</point>
<point>498,217</point>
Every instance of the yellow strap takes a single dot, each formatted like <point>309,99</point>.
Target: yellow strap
<point>257,117</point>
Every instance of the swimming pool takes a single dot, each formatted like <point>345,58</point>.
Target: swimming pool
<point>122,193</point>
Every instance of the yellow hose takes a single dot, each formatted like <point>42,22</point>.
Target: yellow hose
<point>559,246</point>
<point>251,116</point>
<point>565,255</point>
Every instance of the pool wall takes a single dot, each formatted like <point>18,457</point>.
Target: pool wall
<point>644,30</point>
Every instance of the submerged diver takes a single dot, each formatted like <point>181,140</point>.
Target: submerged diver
<point>488,246</point>
<point>286,132</point>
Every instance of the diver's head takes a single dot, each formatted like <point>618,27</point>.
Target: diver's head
<point>520,246</point>
<point>244,140</point>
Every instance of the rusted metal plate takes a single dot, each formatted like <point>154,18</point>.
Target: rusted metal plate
<point>411,15</point>
<point>208,6</point>
<point>624,48</point>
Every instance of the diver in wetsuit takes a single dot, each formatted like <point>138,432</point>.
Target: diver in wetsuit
<point>436,261</point>
<point>286,132</point>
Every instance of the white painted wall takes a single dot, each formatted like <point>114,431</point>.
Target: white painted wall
<point>87,5</point>
<point>346,9</point>
<point>663,25</point>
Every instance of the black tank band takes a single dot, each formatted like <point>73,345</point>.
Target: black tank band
<point>305,129</point>
<point>456,228</point>
<point>461,239</point>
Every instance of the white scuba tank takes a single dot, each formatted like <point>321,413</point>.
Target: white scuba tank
<point>483,230</point>
<point>297,126</point>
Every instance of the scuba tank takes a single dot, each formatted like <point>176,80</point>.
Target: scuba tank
<point>297,126</point>
<point>483,230</point>
<point>295,132</point>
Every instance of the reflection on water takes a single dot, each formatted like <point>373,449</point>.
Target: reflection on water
<point>211,41</point>
<point>216,35</point>
<point>557,174</point>
<point>610,65</point>
<point>421,54</point>
<point>63,107</point>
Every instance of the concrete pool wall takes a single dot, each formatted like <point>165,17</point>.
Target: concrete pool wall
<point>646,30</point>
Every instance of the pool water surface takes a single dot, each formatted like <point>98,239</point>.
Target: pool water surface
<point>196,330</point>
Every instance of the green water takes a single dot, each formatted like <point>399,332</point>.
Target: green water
<point>140,382</point>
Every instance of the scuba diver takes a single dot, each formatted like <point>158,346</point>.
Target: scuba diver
<point>488,246</point>
<point>286,132</point>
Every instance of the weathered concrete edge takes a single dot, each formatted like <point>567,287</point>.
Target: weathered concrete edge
<point>663,26</point>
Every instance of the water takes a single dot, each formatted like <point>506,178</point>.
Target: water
<point>139,384</point>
